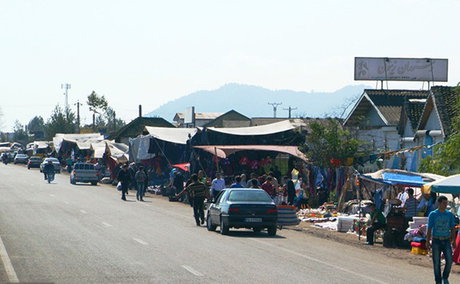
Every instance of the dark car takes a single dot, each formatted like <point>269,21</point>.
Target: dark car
<point>34,162</point>
<point>242,208</point>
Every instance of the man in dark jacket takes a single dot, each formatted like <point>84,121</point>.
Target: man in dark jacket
<point>124,177</point>
<point>198,192</point>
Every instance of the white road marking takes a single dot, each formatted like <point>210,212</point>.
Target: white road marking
<point>191,270</point>
<point>140,241</point>
<point>106,224</point>
<point>83,211</point>
<point>319,261</point>
<point>52,195</point>
<point>12,277</point>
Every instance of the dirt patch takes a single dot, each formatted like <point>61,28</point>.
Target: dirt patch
<point>353,240</point>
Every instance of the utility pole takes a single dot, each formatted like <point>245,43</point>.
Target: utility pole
<point>290,109</point>
<point>78,104</point>
<point>275,106</point>
<point>66,88</point>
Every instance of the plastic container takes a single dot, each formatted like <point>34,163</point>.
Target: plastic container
<point>416,250</point>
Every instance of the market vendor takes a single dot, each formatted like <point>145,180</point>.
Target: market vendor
<point>378,221</point>
<point>410,206</point>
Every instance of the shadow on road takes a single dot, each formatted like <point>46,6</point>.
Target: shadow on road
<point>250,234</point>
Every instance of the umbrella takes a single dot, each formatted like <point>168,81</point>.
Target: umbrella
<point>450,184</point>
<point>184,166</point>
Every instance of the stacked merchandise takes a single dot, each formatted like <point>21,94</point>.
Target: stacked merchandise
<point>345,223</point>
<point>416,234</point>
<point>419,247</point>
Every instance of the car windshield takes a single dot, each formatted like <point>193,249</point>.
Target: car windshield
<point>249,195</point>
<point>21,155</point>
<point>84,167</point>
<point>52,160</point>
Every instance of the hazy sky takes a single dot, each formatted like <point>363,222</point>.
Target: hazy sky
<point>149,52</point>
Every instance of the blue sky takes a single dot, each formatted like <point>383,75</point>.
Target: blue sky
<point>150,52</point>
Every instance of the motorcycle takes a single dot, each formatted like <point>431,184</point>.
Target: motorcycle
<point>50,176</point>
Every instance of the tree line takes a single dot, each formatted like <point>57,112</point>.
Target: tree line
<point>65,120</point>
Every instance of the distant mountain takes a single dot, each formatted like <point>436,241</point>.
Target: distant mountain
<point>252,101</point>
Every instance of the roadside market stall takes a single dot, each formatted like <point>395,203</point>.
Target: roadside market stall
<point>77,146</point>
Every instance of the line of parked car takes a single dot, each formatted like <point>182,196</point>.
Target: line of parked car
<point>81,172</point>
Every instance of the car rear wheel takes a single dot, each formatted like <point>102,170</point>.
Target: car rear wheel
<point>94,183</point>
<point>271,231</point>
<point>209,224</point>
<point>224,229</point>
<point>256,230</point>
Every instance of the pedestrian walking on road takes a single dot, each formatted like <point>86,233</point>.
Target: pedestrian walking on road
<point>140,180</point>
<point>198,192</point>
<point>124,177</point>
<point>441,233</point>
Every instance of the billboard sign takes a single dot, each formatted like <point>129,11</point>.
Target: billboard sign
<point>189,115</point>
<point>401,69</point>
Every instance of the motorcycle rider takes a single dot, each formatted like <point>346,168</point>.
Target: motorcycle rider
<point>48,169</point>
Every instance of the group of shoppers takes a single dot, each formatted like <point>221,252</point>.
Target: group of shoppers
<point>126,179</point>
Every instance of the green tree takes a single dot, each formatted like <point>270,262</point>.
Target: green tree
<point>20,134</point>
<point>36,126</point>
<point>113,123</point>
<point>327,140</point>
<point>445,159</point>
<point>97,104</point>
<point>60,121</point>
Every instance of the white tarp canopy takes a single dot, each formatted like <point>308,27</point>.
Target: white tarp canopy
<point>170,134</point>
<point>118,151</point>
<point>223,151</point>
<point>98,149</point>
<point>267,129</point>
<point>41,144</point>
<point>83,141</point>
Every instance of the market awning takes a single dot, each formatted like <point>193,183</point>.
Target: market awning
<point>450,184</point>
<point>223,151</point>
<point>98,149</point>
<point>82,141</point>
<point>173,135</point>
<point>401,179</point>
<point>267,129</point>
<point>369,178</point>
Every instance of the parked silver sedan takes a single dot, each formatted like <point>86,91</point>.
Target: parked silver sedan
<point>21,158</point>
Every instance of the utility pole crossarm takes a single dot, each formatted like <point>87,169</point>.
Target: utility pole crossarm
<point>290,109</point>
<point>275,106</point>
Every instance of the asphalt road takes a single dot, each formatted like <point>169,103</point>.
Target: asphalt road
<point>67,233</point>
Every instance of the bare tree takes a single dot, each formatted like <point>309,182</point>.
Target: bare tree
<point>341,110</point>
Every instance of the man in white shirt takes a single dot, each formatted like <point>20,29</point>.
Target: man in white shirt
<point>217,185</point>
